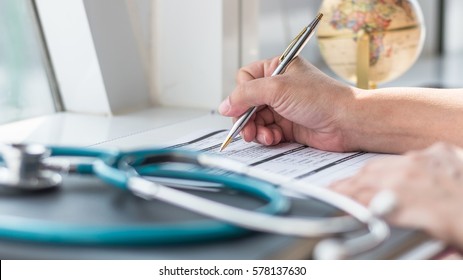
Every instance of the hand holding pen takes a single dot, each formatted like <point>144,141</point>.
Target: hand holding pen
<point>304,105</point>
<point>286,58</point>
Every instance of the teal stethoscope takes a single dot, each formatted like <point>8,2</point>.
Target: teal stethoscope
<point>35,167</point>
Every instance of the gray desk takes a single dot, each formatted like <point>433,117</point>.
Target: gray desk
<point>87,200</point>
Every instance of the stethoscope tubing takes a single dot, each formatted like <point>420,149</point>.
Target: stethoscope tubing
<point>133,234</point>
<point>129,170</point>
<point>116,171</point>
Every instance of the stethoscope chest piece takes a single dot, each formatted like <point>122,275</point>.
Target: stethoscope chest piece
<point>22,168</point>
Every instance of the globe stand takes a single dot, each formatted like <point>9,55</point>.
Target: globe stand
<point>363,61</point>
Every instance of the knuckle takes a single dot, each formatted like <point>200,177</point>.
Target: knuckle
<point>433,156</point>
<point>239,75</point>
<point>442,147</point>
<point>416,156</point>
<point>415,161</point>
<point>438,147</point>
<point>268,63</point>
<point>412,167</point>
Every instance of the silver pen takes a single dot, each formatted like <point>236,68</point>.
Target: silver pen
<point>291,52</point>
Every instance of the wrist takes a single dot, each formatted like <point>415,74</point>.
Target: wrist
<point>377,121</point>
<point>396,120</point>
<point>350,126</point>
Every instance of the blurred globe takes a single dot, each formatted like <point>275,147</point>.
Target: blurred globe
<point>395,39</point>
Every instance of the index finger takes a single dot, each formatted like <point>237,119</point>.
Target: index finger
<point>256,70</point>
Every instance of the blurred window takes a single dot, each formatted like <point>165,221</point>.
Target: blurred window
<point>24,84</point>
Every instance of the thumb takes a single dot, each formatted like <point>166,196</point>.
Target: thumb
<point>258,92</point>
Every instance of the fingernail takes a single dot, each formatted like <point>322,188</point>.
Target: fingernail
<point>224,106</point>
<point>266,142</point>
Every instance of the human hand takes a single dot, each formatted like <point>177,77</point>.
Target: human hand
<point>302,105</point>
<point>428,186</point>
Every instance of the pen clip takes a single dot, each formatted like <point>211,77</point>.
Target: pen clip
<point>291,45</point>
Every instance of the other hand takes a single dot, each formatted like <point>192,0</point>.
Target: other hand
<point>428,186</point>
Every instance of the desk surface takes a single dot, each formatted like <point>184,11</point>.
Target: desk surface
<point>88,200</point>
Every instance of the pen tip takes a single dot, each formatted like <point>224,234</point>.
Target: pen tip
<point>225,144</point>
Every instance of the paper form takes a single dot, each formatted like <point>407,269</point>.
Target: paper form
<point>289,159</point>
